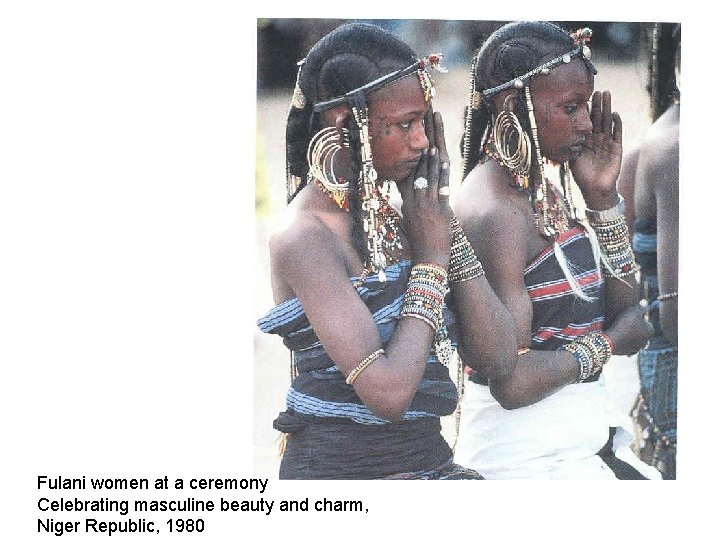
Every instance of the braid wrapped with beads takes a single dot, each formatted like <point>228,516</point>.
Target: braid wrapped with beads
<point>507,61</point>
<point>342,61</point>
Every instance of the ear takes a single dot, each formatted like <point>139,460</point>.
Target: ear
<point>342,120</point>
<point>506,100</point>
<point>337,116</point>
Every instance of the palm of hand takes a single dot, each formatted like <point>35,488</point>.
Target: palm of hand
<point>599,164</point>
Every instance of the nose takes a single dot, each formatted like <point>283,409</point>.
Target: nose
<point>584,124</point>
<point>418,137</point>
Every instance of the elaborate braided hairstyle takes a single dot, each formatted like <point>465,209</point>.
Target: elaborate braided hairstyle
<point>346,59</point>
<point>511,51</point>
<point>665,59</point>
<point>509,60</point>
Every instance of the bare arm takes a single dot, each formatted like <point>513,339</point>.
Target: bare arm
<point>304,259</point>
<point>487,340</point>
<point>626,185</point>
<point>596,172</point>
<point>499,235</point>
<point>659,170</point>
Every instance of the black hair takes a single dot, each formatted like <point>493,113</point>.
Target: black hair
<point>664,58</point>
<point>512,50</point>
<point>347,58</point>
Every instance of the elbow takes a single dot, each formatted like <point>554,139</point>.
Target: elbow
<point>493,365</point>
<point>506,394</point>
<point>388,408</point>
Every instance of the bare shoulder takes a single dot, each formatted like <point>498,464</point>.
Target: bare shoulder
<point>488,203</point>
<point>658,164</point>
<point>302,245</point>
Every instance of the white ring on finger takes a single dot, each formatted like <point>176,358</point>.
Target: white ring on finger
<point>420,182</point>
<point>444,191</point>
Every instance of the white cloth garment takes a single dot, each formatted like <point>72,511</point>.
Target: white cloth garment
<point>556,438</point>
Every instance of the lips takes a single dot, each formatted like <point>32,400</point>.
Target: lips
<point>577,148</point>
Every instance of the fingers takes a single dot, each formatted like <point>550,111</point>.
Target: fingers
<point>434,172</point>
<point>440,137</point>
<point>601,113</point>
<point>429,127</point>
<point>617,127</point>
<point>444,174</point>
<point>444,183</point>
<point>607,117</point>
<point>596,112</point>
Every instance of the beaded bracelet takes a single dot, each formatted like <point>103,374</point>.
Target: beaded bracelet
<point>667,296</point>
<point>365,362</point>
<point>424,299</point>
<point>592,351</point>
<point>599,216</point>
<point>464,264</point>
<point>614,239</point>
<point>425,294</point>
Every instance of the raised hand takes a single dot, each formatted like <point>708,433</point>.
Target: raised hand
<point>597,168</point>
<point>426,208</point>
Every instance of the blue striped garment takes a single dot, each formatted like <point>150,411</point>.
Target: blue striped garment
<point>319,392</point>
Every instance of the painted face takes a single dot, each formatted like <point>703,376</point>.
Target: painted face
<point>560,100</point>
<point>397,129</point>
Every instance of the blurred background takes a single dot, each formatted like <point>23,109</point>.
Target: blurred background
<point>620,51</point>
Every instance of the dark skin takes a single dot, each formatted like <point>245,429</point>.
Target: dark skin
<point>656,195</point>
<point>313,258</point>
<point>499,222</point>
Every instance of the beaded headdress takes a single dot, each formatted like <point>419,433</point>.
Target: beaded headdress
<point>380,220</point>
<point>551,211</point>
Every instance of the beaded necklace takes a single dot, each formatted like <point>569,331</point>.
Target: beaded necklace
<point>558,207</point>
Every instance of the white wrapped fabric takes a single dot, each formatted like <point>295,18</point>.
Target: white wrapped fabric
<point>556,438</point>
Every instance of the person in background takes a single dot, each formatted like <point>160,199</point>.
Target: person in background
<point>650,178</point>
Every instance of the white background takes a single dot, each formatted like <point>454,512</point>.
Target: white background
<point>126,237</point>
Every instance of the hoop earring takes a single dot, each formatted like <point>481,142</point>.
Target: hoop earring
<point>512,142</point>
<point>320,157</point>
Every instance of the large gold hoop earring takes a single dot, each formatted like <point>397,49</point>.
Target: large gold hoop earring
<point>321,156</point>
<point>512,142</point>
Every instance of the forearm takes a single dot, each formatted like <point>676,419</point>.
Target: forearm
<point>391,383</point>
<point>621,294</point>
<point>537,375</point>
<point>486,330</point>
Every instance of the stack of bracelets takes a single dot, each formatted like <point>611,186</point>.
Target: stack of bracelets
<point>464,264</point>
<point>425,294</point>
<point>592,351</point>
<point>614,238</point>
<point>424,299</point>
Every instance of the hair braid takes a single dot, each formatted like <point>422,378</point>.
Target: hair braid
<point>345,59</point>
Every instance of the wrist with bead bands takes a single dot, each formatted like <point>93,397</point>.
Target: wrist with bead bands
<point>425,294</point>
<point>592,351</point>
<point>614,239</point>
<point>464,264</point>
<point>600,216</point>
